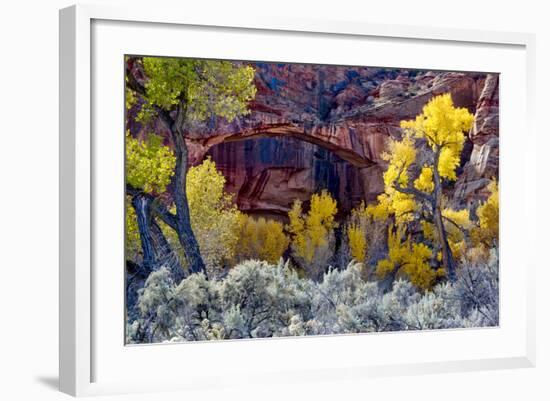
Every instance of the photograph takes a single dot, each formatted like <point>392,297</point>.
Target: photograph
<point>277,199</point>
<point>225,201</point>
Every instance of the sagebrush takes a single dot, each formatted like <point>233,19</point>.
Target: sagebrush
<point>257,299</point>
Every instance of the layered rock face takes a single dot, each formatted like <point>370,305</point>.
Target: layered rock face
<point>315,127</point>
<point>267,174</point>
<point>325,127</point>
<point>483,164</point>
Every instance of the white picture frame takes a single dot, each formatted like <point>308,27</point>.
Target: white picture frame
<point>82,345</point>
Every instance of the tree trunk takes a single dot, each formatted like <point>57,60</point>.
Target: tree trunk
<point>447,256</point>
<point>135,280</point>
<point>183,219</point>
<point>156,249</point>
<point>448,261</point>
<point>181,222</point>
<point>142,207</point>
<point>165,255</point>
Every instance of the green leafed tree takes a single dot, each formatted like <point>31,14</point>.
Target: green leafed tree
<point>178,92</point>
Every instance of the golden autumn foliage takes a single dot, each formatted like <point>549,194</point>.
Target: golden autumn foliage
<point>149,163</point>
<point>400,155</point>
<point>206,192</point>
<point>209,87</point>
<point>363,234</point>
<point>425,181</point>
<point>179,92</point>
<point>487,232</point>
<point>457,224</point>
<point>366,236</point>
<point>260,239</point>
<point>357,242</point>
<point>132,240</point>
<point>149,167</point>
<point>214,217</point>
<point>427,154</point>
<point>419,165</point>
<point>408,259</point>
<point>443,126</point>
<point>312,233</point>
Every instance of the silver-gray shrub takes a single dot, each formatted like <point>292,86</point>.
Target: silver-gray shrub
<point>477,288</point>
<point>258,299</point>
<point>266,296</point>
<point>156,309</point>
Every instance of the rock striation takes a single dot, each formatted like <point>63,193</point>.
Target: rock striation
<point>312,127</point>
<point>483,164</point>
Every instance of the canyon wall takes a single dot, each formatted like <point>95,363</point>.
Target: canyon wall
<point>315,127</point>
<point>312,127</point>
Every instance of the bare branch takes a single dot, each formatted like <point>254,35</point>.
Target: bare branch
<point>463,230</point>
<point>412,191</point>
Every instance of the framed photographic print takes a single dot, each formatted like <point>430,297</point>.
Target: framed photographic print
<point>294,199</point>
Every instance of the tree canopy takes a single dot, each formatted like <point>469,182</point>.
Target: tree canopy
<point>205,87</point>
<point>419,164</point>
<point>178,91</point>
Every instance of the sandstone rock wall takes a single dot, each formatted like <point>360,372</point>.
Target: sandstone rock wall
<point>350,113</point>
<point>483,164</point>
<point>314,127</point>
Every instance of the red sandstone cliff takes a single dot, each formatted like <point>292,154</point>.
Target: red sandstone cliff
<point>314,127</point>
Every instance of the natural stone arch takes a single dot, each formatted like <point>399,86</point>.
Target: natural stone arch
<point>271,188</point>
<point>350,116</point>
<point>345,141</point>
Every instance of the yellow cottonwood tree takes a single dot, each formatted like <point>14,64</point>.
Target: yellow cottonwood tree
<point>312,234</point>
<point>214,217</point>
<point>149,163</point>
<point>361,232</point>
<point>486,233</point>
<point>366,236</point>
<point>357,242</point>
<point>149,169</point>
<point>132,246</point>
<point>457,225</point>
<point>260,239</point>
<point>411,259</point>
<point>180,92</point>
<point>418,163</point>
